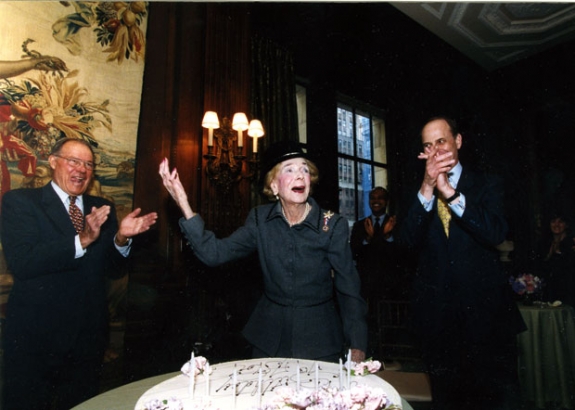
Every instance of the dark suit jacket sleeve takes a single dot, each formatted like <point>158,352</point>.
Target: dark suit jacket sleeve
<point>357,237</point>
<point>38,237</point>
<point>483,218</point>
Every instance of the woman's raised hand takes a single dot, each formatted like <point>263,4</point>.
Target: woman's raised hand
<point>171,181</point>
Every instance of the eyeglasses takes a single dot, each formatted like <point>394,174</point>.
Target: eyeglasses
<point>77,163</point>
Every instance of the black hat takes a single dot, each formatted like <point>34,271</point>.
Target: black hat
<point>279,152</point>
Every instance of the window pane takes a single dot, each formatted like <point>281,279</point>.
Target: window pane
<point>379,144</point>
<point>363,134</point>
<point>346,188</point>
<point>381,177</point>
<point>344,131</point>
<point>363,190</point>
<point>361,139</point>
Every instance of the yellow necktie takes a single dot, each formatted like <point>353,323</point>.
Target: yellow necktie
<point>444,214</point>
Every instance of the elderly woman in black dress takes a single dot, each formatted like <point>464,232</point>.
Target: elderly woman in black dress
<point>311,307</point>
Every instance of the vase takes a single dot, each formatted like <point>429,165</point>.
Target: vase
<point>528,299</point>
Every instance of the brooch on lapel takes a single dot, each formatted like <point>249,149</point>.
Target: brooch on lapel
<point>326,217</point>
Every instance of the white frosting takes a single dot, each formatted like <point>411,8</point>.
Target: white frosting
<point>275,373</point>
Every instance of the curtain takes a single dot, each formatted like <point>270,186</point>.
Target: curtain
<point>273,91</point>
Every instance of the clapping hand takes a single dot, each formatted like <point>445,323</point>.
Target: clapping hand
<point>93,222</point>
<point>133,225</point>
<point>436,167</point>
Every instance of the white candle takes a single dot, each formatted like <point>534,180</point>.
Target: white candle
<point>192,375</point>
<point>210,137</point>
<point>348,368</point>
<point>240,138</point>
<point>297,376</point>
<point>255,149</point>
<point>316,376</point>
<point>340,374</point>
<point>207,377</point>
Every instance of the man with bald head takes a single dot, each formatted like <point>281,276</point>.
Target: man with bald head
<point>463,311</point>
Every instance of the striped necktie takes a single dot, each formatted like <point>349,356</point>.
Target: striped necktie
<point>444,214</point>
<point>76,215</point>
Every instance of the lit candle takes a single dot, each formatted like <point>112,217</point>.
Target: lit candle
<point>240,138</point>
<point>297,376</point>
<point>240,124</point>
<point>316,376</point>
<point>210,137</point>
<point>210,122</point>
<point>255,130</point>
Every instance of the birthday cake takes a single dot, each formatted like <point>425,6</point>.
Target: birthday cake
<point>270,384</point>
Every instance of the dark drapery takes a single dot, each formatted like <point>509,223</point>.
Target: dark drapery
<point>273,91</point>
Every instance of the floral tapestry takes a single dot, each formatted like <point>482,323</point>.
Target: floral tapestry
<point>71,69</point>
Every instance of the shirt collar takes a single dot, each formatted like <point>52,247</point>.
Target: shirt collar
<point>454,174</point>
<point>64,196</point>
<point>381,217</point>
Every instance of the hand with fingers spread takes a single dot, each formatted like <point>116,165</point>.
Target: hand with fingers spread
<point>171,181</point>
<point>133,225</point>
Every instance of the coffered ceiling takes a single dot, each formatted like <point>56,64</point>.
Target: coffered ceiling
<point>496,34</point>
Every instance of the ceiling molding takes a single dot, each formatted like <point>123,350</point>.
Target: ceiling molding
<point>496,34</point>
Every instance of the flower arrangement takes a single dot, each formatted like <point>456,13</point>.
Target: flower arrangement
<point>526,283</point>
<point>357,398</point>
<point>201,365</point>
<point>171,404</point>
<point>364,368</point>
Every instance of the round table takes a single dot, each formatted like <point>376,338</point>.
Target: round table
<point>126,397</point>
<point>547,355</point>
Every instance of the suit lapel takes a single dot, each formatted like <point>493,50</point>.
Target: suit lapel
<point>55,209</point>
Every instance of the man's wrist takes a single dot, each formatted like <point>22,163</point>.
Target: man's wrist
<point>453,197</point>
<point>119,242</point>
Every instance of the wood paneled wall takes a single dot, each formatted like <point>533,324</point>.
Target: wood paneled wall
<point>197,60</point>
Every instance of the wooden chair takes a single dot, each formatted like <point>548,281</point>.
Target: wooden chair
<point>396,343</point>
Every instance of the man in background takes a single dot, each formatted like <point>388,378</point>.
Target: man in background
<point>60,244</point>
<point>463,310</point>
<point>374,250</point>
<point>375,253</point>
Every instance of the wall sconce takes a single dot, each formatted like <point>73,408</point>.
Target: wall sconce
<point>225,157</point>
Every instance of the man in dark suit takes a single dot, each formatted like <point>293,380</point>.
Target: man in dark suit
<point>374,251</point>
<point>462,305</point>
<point>55,332</point>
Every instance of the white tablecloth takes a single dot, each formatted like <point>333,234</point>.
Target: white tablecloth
<point>126,397</point>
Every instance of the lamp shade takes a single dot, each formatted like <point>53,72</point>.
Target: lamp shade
<point>211,120</point>
<point>240,122</point>
<point>256,129</point>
